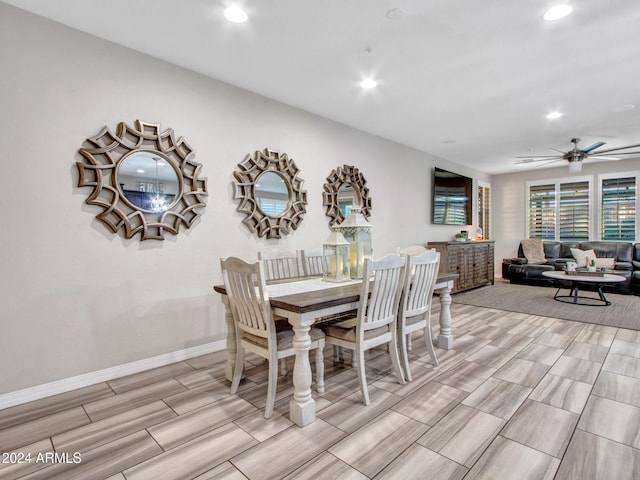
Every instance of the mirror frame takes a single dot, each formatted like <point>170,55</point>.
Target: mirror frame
<point>102,155</point>
<point>346,174</point>
<point>244,182</point>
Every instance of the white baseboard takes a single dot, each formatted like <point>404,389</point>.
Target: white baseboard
<point>67,384</point>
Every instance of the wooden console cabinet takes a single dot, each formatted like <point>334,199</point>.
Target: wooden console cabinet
<point>472,261</point>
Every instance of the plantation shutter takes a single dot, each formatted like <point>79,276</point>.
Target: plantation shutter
<point>484,196</point>
<point>271,206</point>
<point>619,209</point>
<point>574,211</point>
<point>542,211</point>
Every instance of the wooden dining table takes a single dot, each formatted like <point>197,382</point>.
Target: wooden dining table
<point>302,301</point>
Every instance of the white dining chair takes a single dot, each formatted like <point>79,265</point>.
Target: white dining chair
<point>376,320</point>
<point>415,305</point>
<point>312,262</point>
<point>280,265</point>
<point>255,326</point>
<point>412,250</point>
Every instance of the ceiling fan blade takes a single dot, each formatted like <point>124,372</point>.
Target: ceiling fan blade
<point>547,163</point>
<point>616,149</point>
<point>615,153</point>
<point>556,150</point>
<point>540,156</point>
<point>531,160</point>
<point>593,147</point>
<point>603,158</point>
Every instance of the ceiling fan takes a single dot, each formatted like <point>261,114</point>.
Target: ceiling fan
<point>576,155</point>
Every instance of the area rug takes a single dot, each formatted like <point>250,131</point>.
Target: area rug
<point>623,312</point>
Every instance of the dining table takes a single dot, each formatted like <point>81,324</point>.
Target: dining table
<point>304,300</point>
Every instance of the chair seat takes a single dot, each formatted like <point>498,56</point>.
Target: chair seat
<point>282,324</point>
<point>346,330</point>
<point>284,338</point>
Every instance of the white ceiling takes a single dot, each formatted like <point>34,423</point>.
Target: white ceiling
<point>466,80</point>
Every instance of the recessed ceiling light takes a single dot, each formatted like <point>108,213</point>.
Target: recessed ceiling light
<point>554,115</point>
<point>396,13</point>
<point>368,83</point>
<point>557,12</point>
<point>139,170</point>
<point>235,14</point>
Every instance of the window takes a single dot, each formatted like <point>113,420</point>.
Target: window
<point>618,213</point>
<point>484,204</point>
<point>542,211</point>
<point>574,211</point>
<point>567,209</point>
<point>560,210</point>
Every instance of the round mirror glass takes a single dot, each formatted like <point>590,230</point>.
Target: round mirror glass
<point>272,194</point>
<point>348,198</point>
<point>148,181</point>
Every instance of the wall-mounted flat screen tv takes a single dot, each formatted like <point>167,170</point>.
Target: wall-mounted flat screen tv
<point>452,195</point>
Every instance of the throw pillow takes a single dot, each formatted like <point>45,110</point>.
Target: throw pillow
<point>533,250</point>
<point>606,263</point>
<point>581,256</point>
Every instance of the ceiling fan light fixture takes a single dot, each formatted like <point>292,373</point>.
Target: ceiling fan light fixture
<point>575,167</point>
<point>557,12</point>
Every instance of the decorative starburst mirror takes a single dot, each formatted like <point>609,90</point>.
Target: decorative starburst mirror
<point>270,193</point>
<point>144,180</point>
<point>345,189</point>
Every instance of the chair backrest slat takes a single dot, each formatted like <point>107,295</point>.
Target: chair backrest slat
<point>279,268</point>
<point>248,298</point>
<point>382,291</point>
<point>312,262</point>
<point>419,282</point>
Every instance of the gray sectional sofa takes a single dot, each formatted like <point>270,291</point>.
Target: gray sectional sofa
<point>626,255</point>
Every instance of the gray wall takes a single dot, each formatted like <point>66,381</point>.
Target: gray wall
<point>75,297</point>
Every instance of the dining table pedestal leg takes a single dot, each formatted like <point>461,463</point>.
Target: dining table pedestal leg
<point>302,408</point>
<point>445,337</point>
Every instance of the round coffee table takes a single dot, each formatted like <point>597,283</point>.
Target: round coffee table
<point>597,281</point>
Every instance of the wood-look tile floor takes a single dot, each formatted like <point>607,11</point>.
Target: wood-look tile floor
<point>519,397</point>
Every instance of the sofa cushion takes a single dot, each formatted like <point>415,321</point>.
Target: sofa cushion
<point>551,249</point>
<point>582,256</point>
<point>624,266</point>
<point>608,263</point>
<point>565,249</point>
<point>530,271</point>
<point>621,251</point>
<point>533,250</point>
